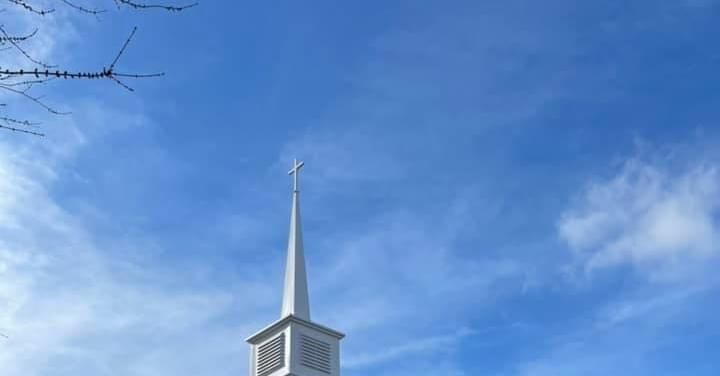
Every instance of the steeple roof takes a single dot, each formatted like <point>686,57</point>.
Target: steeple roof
<point>295,292</point>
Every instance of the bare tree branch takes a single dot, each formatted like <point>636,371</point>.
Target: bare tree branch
<point>20,82</point>
<point>105,73</point>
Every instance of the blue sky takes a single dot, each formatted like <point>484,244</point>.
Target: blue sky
<point>492,188</point>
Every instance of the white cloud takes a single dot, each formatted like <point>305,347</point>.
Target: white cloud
<point>70,302</point>
<point>661,220</point>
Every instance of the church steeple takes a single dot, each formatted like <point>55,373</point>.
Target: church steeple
<point>295,293</point>
<point>293,345</point>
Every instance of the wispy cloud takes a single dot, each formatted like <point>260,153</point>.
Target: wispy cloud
<point>658,215</point>
<point>641,306</point>
<point>660,219</point>
<point>395,282</point>
<point>65,292</point>
<point>641,334</point>
<point>73,301</point>
<point>414,346</point>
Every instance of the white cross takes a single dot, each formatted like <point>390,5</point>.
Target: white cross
<point>295,171</point>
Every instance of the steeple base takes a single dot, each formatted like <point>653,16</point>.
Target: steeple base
<point>293,346</point>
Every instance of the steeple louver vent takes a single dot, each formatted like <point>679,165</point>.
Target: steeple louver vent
<point>271,356</point>
<point>315,354</point>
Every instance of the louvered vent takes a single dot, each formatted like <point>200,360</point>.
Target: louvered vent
<point>315,354</point>
<point>271,356</point>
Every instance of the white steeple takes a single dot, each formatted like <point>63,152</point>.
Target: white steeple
<point>293,345</point>
<point>295,293</point>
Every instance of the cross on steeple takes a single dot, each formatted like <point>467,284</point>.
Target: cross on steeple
<point>294,171</point>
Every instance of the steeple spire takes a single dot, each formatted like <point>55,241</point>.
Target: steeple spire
<point>295,293</point>
<point>293,345</point>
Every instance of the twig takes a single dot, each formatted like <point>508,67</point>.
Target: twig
<point>4,38</point>
<point>17,46</point>
<point>30,8</point>
<point>122,49</point>
<point>36,100</point>
<point>136,5</point>
<point>21,131</point>
<point>82,8</point>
